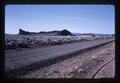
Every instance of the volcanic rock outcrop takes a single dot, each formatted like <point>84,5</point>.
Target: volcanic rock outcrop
<point>65,32</point>
<point>50,33</point>
<point>22,32</point>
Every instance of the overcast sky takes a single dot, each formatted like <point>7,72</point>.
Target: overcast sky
<point>75,18</point>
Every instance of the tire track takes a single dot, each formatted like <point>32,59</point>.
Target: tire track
<point>102,67</point>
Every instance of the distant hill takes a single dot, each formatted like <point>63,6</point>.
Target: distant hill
<point>56,33</point>
<point>49,33</point>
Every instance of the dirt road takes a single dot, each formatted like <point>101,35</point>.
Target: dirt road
<point>98,63</point>
<point>23,61</point>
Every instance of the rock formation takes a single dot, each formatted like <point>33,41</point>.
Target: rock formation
<point>65,32</point>
<point>50,33</point>
<point>22,32</point>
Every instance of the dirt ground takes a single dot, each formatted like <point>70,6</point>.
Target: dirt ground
<point>98,63</point>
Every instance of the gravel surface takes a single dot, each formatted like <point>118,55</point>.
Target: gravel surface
<point>91,64</point>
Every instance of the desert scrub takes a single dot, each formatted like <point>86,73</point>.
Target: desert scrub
<point>28,41</point>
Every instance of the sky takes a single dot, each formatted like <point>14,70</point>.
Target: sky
<point>75,18</point>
